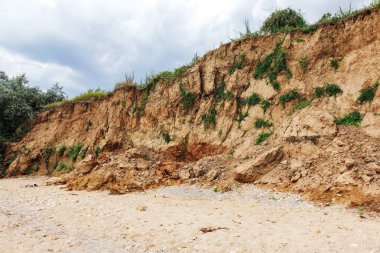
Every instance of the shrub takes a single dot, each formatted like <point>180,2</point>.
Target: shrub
<point>83,153</point>
<point>237,63</point>
<point>319,92</point>
<point>304,64</point>
<point>188,98</point>
<point>254,99</point>
<point>302,105</point>
<point>299,40</point>
<point>375,4</point>
<point>333,90</point>
<point>220,95</point>
<point>61,166</point>
<point>260,123</point>
<point>96,151</point>
<point>283,20</point>
<point>351,119</point>
<point>368,94</point>
<point>335,63</point>
<point>61,150</point>
<point>241,117</point>
<point>47,152</point>
<point>290,96</point>
<point>166,137</point>
<point>209,119</point>
<point>74,151</point>
<point>272,66</point>
<point>265,104</point>
<point>263,137</point>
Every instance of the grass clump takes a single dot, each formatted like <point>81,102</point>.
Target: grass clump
<point>290,96</point>
<point>237,63</point>
<point>220,94</point>
<point>241,117</point>
<point>48,152</point>
<point>96,151</point>
<point>263,137</point>
<point>319,92</point>
<point>265,104</point>
<point>89,95</point>
<point>352,119</point>
<point>332,90</point>
<point>61,166</point>
<point>283,20</point>
<point>299,40</point>
<point>260,123</point>
<point>166,137</point>
<point>304,64</point>
<point>209,119</point>
<point>83,153</point>
<point>253,99</point>
<point>74,151</point>
<point>302,105</point>
<point>334,63</point>
<point>188,98</point>
<point>368,94</point>
<point>272,66</point>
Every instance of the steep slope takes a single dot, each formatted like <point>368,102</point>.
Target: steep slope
<point>209,115</point>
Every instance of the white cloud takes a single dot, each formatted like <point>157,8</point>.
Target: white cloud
<point>102,39</point>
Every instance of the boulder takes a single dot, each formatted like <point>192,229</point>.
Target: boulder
<point>251,171</point>
<point>55,181</point>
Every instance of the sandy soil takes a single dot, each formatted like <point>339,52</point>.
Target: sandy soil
<point>50,219</point>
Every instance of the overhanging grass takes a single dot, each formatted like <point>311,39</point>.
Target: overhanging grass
<point>90,95</point>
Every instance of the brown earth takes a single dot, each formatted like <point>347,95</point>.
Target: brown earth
<point>307,153</point>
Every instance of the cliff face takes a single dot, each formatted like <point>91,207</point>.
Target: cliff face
<point>214,139</point>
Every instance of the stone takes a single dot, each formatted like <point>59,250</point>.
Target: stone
<point>55,181</point>
<point>213,175</point>
<point>349,163</point>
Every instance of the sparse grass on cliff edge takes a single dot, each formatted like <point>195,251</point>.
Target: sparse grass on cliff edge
<point>89,95</point>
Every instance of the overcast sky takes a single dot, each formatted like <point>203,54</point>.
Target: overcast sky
<point>83,44</point>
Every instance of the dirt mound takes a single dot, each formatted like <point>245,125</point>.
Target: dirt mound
<point>265,110</point>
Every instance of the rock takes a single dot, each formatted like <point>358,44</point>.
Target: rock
<point>366,179</point>
<point>185,174</point>
<point>142,165</point>
<point>86,166</point>
<point>349,163</point>
<point>295,177</point>
<point>346,179</point>
<point>213,174</point>
<point>142,208</point>
<point>55,181</point>
<point>133,153</point>
<point>296,165</point>
<point>374,167</point>
<point>250,171</point>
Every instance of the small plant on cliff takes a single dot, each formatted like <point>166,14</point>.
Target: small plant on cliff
<point>61,150</point>
<point>166,137</point>
<point>351,119</point>
<point>283,20</point>
<point>48,152</point>
<point>368,94</point>
<point>335,63</point>
<point>290,96</point>
<point>241,117</point>
<point>188,98</point>
<point>332,90</point>
<point>237,63</point>
<point>96,151</point>
<point>319,92</point>
<point>302,105</point>
<point>254,99</point>
<point>209,119</point>
<point>220,94</point>
<point>304,64</point>
<point>83,153</point>
<point>272,66</point>
<point>265,104</point>
<point>74,151</point>
<point>260,123</point>
<point>263,137</point>
<point>61,166</point>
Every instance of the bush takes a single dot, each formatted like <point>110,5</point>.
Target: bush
<point>166,137</point>
<point>74,151</point>
<point>96,151</point>
<point>263,137</point>
<point>254,99</point>
<point>368,94</point>
<point>265,104</point>
<point>333,90</point>
<point>304,64</point>
<point>290,96</point>
<point>351,119</point>
<point>283,20</point>
<point>220,95</point>
<point>272,66</point>
<point>302,105</point>
<point>260,123</point>
<point>335,63</point>
<point>48,152</point>
<point>61,166</point>
<point>209,119</point>
<point>61,150</point>
<point>83,153</point>
<point>188,98</point>
<point>241,117</point>
<point>237,63</point>
<point>319,92</point>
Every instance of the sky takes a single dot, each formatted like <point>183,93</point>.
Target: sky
<point>84,44</point>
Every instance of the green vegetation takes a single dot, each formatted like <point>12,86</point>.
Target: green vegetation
<point>61,150</point>
<point>89,95</point>
<point>48,152</point>
<point>96,151</point>
<point>188,98</point>
<point>241,117</point>
<point>299,40</point>
<point>351,119</point>
<point>272,66</point>
<point>254,99</point>
<point>290,96</point>
<point>166,137</point>
<point>319,92</point>
<point>263,137</point>
<point>83,153</point>
<point>209,119</point>
<point>220,94</point>
<point>335,63</point>
<point>260,123</point>
<point>368,94</point>
<point>237,63</point>
<point>302,105</point>
<point>61,166</point>
<point>332,90</point>
<point>304,64</point>
<point>265,104</point>
<point>283,20</point>
<point>74,151</point>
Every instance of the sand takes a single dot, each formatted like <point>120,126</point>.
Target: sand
<point>51,219</point>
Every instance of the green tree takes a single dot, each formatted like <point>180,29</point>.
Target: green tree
<point>283,20</point>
